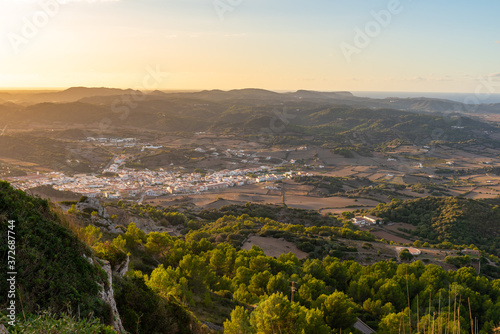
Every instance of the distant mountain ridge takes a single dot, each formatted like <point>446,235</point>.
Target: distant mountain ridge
<point>72,94</point>
<point>253,95</point>
<point>338,120</point>
<point>102,95</point>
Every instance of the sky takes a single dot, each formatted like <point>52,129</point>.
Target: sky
<point>328,45</point>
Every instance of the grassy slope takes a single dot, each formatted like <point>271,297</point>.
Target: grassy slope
<point>52,272</point>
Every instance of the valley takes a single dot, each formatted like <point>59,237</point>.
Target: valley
<point>249,167</point>
<point>276,180</point>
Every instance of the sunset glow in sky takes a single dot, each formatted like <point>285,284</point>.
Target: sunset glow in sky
<point>421,45</point>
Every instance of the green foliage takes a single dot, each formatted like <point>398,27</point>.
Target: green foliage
<point>144,311</point>
<point>175,218</point>
<point>405,255</point>
<point>52,270</point>
<point>239,323</point>
<point>91,234</point>
<point>345,152</point>
<point>376,308</point>
<point>274,212</point>
<point>252,278</point>
<point>339,310</point>
<point>276,314</point>
<point>134,236</point>
<point>202,272</point>
<point>348,130</point>
<point>158,244</point>
<point>450,221</point>
<point>333,185</point>
<point>169,282</point>
<point>72,209</point>
<point>82,199</point>
<point>61,323</point>
<point>392,322</point>
<point>163,216</point>
<point>347,215</point>
<point>431,188</point>
<point>458,261</point>
<point>111,251</point>
<point>234,230</point>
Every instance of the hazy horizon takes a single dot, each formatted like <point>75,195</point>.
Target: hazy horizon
<point>463,97</point>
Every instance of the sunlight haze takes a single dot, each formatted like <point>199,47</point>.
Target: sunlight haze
<point>277,45</point>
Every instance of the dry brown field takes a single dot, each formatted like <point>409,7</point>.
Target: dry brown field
<point>274,247</point>
<point>390,237</point>
<point>396,226</point>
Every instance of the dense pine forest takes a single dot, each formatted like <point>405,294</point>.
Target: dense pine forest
<point>202,281</point>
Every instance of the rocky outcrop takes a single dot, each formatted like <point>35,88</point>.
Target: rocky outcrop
<point>104,221</point>
<point>146,224</point>
<point>107,295</point>
<point>94,205</point>
<point>123,268</point>
<point>213,327</point>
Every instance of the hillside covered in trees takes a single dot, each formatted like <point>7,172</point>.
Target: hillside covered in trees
<point>304,118</point>
<point>60,281</point>
<point>203,281</point>
<point>452,219</point>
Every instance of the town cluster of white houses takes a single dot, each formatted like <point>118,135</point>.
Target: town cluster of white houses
<point>127,182</point>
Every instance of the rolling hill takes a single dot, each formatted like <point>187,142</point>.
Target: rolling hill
<point>302,117</point>
<point>252,96</point>
<point>452,219</point>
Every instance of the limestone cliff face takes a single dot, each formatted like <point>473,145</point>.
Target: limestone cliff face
<point>123,268</point>
<point>107,295</point>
